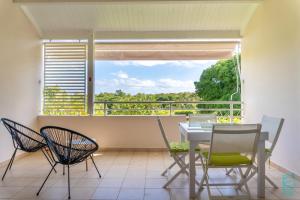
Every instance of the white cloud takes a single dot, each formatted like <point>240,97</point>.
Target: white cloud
<point>123,80</point>
<point>121,74</point>
<point>135,85</point>
<point>144,63</point>
<point>178,84</point>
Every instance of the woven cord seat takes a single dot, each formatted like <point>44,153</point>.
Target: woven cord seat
<point>24,139</point>
<point>68,148</point>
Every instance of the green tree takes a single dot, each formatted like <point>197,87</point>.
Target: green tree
<point>59,102</point>
<point>219,82</point>
<point>146,108</point>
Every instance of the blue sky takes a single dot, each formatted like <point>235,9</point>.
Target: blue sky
<point>148,76</point>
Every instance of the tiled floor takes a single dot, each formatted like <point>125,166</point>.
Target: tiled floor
<point>126,175</point>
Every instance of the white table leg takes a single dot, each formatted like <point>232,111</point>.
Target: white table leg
<point>182,135</point>
<point>182,139</point>
<point>261,169</point>
<point>192,170</point>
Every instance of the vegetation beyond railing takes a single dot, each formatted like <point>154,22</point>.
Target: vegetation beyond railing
<point>227,111</point>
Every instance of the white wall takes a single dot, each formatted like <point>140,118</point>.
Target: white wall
<point>270,62</point>
<point>120,131</point>
<point>20,64</point>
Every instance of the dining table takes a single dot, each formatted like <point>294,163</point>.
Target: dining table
<point>197,135</point>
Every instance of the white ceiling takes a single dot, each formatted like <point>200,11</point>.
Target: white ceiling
<point>193,19</point>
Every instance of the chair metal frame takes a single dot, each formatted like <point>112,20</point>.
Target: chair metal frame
<point>64,154</point>
<point>25,142</point>
<point>206,118</point>
<point>278,124</point>
<point>244,175</point>
<point>178,158</point>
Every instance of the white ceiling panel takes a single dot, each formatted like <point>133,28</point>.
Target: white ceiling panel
<point>67,19</point>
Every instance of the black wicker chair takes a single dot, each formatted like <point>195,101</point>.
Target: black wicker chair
<point>68,148</point>
<point>25,139</point>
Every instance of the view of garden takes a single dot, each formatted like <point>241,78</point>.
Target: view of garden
<point>217,81</point>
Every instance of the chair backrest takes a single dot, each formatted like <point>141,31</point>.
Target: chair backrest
<point>235,138</point>
<point>163,134</point>
<point>68,146</point>
<point>273,126</point>
<point>23,137</point>
<point>202,120</point>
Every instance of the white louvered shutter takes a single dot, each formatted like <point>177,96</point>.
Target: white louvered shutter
<point>65,78</point>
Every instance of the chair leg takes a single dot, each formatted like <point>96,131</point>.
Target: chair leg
<point>95,166</point>
<point>243,176</point>
<point>248,177</point>
<point>171,166</point>
<point>46,179</point>
<point>207,186</point>
<point>166,170</point>
<point>69,197</point>
<point>182,170</point>
<point>271,182</point>
<point>203,177</point>
<point>173,178</point>
<point>48,160</point>
<point>229,171</point>
<point>10,163</point>
<point>63,169</point>
<point>86,165</point>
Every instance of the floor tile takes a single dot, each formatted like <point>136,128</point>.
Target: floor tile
<point>133,183</point>
<point>111,182</point>
<point>157,194</point>
<point>106,193</point>
<point>131,194</point>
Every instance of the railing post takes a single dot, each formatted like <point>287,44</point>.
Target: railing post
<point>231,112</point>
<point>170,108</point>
<point>104,109</point>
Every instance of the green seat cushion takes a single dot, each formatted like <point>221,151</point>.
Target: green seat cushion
<point>180,147</point>
<point>227,159</point>
<point>268,150</point>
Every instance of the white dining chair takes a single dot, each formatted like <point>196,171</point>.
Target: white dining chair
<point>232,146</point>
<point>178,151</point>
<point>273,126</point>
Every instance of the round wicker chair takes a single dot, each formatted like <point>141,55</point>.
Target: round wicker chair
<point>24,139</point>
<point>68,148</point>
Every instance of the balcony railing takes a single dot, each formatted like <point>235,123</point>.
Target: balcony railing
<point>227,111</point>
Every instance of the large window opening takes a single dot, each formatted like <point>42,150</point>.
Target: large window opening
<point>151,86</point>
<point>166,79</point>
<point>141,79</point>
